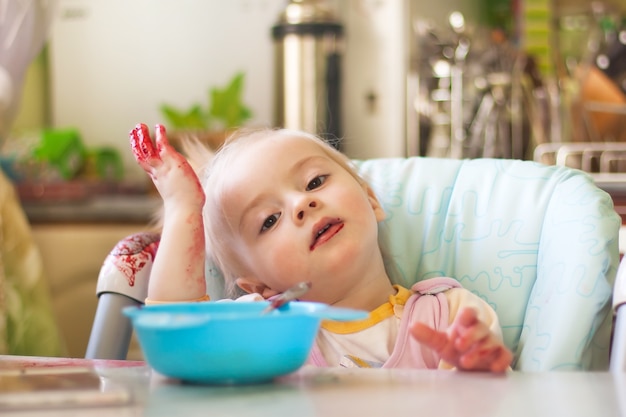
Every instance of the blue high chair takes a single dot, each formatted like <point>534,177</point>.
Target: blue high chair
<point>538,243</point>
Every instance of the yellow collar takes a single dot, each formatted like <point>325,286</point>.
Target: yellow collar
<point>377,315</point>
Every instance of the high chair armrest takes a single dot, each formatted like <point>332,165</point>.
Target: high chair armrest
<point>122,282</point>
<point>618,346</point>
<point>619,289</point>
<point>126,270</point>
<point>111,330</point>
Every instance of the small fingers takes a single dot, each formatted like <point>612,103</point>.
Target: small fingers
<point>503,360</point>
<point>468,344</point>
<point>494,357</point>
<point>141,144</point>
<point>161,138</point>
<point>430,337</point>
<point>467,337</point>
<point>469,330</point>
<point>440,342</point>
<point>467,317</point>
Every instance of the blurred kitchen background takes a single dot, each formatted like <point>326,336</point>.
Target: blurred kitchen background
<point>527,79</point>
<point>452,78</point>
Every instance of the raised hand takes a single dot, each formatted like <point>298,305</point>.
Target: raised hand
<point>178,270</point>
<point>171,174</point>
<point>468,343</point>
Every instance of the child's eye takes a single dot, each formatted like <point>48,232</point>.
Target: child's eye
<point>269,222</point>
<point>316,182</point>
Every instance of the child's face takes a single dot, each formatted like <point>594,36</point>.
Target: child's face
<point>297,215</point>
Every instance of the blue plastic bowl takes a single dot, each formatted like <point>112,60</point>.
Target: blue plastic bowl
<point>230,342</point>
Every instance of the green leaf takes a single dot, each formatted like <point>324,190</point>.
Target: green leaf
<point>193,118</point>
<point>227,105</point>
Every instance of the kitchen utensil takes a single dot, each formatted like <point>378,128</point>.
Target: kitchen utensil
<point>230,342</point>
<point>307,39</point>
<point>291,294</point>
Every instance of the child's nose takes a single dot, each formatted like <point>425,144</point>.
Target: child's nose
<point>312,204</point>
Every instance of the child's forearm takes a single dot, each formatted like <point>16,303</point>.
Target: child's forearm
<point>178,269</point>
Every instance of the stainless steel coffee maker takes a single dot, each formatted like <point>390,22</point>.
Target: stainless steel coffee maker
<point>307,38</point>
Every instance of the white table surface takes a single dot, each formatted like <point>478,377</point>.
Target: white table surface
<point>361,392</point>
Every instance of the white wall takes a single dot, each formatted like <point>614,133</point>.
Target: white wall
<point>113,62</point>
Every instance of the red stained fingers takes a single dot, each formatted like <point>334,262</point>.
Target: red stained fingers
<point>141,145</point>
<point>161,138</point>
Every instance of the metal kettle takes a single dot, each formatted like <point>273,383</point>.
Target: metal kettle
<point>307,40</point>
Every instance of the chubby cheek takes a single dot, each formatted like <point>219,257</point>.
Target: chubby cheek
<point>281,264</point>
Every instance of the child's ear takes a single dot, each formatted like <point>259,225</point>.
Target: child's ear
<point>376,206</point>
<point>252,285</point>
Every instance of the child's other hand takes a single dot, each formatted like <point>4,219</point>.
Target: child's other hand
<point>171,174</point>
<point>468,344</point>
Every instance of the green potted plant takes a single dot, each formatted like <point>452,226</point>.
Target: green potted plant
<point>210,124</point>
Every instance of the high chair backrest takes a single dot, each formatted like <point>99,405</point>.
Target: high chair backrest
<point>538,243</point>
<point>618,345</point>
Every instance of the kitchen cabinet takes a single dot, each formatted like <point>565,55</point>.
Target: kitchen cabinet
<point>74,240</point>
<point>72,256</point>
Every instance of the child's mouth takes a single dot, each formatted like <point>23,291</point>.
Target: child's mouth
<point>324,233</point>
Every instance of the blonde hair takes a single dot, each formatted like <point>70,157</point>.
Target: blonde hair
<point>216,220</point>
